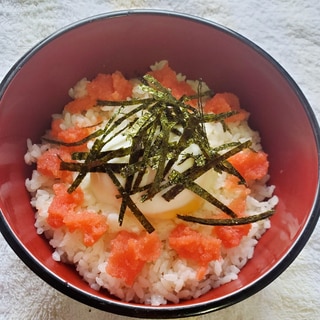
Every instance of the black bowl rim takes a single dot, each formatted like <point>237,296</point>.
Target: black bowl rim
<point>144,311</point>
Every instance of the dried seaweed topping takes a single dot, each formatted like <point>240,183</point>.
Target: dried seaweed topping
<point>228,222</point>
<point>159,131</point>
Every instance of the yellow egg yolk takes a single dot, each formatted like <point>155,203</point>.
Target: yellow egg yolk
<point>185,202</point>
<point>157,207</point>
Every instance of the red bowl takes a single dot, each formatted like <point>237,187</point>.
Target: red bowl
<point>130,41</point>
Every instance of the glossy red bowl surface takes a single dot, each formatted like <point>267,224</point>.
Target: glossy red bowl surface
<point>130,41</point>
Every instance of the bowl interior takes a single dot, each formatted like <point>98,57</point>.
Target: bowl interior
<point>37,87</point>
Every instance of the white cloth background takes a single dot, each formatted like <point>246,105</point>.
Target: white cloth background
<point>287,29</point>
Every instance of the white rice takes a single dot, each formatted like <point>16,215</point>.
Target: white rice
<point>169,278</point>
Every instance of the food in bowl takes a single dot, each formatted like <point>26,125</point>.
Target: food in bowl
<point>155,188</point>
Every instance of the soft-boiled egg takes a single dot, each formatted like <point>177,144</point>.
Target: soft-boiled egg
<point>185,202</point>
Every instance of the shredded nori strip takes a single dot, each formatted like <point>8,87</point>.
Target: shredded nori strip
<point>229,221</point>
<point>76,143</point>
<point>160,129</point>
<point>195,172</point>
<point>127,202</point>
